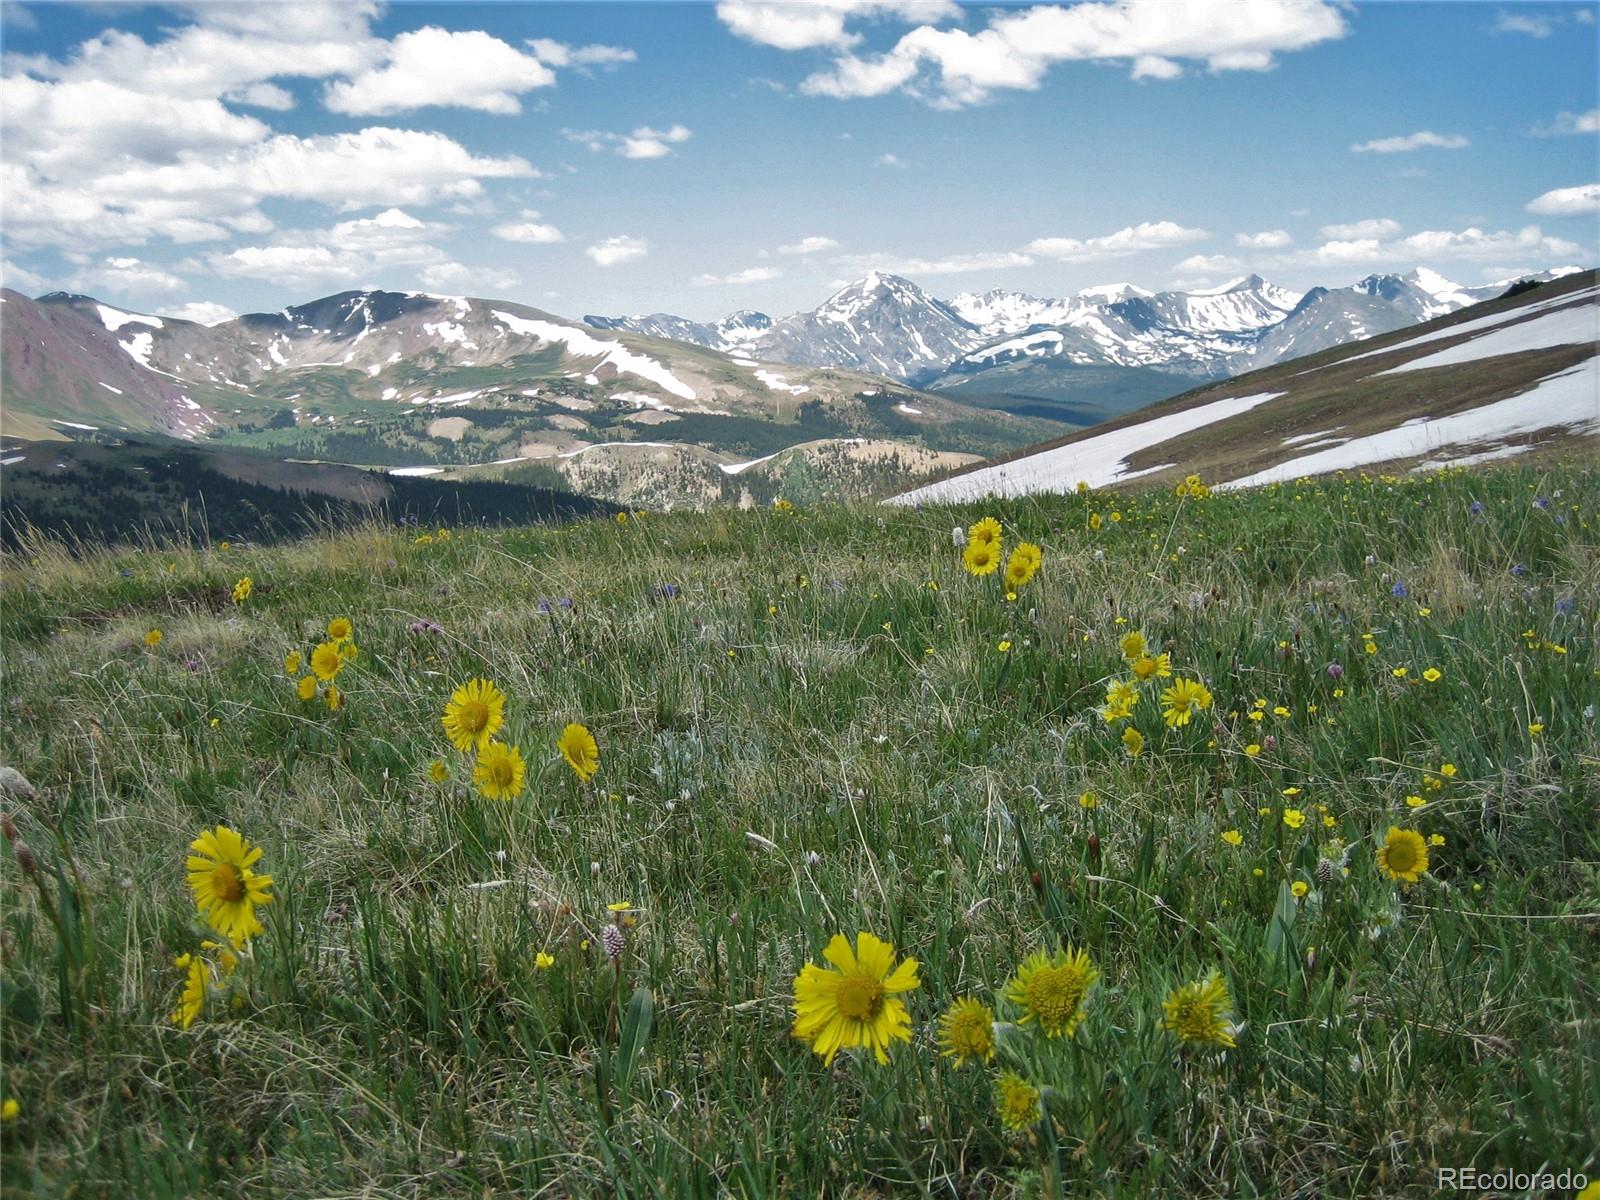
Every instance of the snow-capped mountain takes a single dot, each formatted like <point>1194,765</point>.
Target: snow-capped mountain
<point>888,325</point>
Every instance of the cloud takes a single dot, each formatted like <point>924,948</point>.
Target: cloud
<point>820,23</point>
<point>124,275</point>
<point>1271,239</point>
<point>891,160</point>
<point>202,312</point>
<point>748,275</point>
<point>528,230</point>
<point>18,277</point>
<point>951,68</point>
<point>121,140</point>
<point>643,142</point>
<point>619,249</point>
<point>1209,264</point>
<point>1411,141</point>
<point>461,277</point>
<point>1135,238</point>
<point>559,54</point>
<point>1567,202</point>
<point>1372,227</point>
<point>1432,245</point>
<point>954,264</point>
<point>1532,24</point>
<point>809,245</point>
<point>433,66</point>
<point>1567,123</point>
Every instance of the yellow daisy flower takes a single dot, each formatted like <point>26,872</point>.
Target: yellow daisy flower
<point>1016,1100</point>
<point>291,663</point>
<point>1133,646</point>
<point>578,747</point>
<point>340,628</point>
<point>1133,741</point>
<point>193,1000</point>
<point>1050,989</point>
<point>224,886</point>
<point>981,558</point>
<point>500,771</point>
<point>306,689</point>
<point>854,1002</point>
<point>1023,564</point>
<point>1182,700</point>
<point>986,531</point>
<point>966,1031</point>
<point>475,711</point>
<point>153,638</point>
<point>1146,667</point>
<point>326,661</point>
<point>242,590</point>
<point>1403,855</point>
<point>1201,1012</point>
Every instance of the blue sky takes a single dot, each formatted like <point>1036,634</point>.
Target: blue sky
<point>698,158</point>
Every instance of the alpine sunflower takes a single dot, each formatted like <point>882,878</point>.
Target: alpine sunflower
<point>1148,667</point>
<point>1133,741</point>
<point>1201,1011</point>
<point>340,628</point>
<point>981,558</point>
<point>500,771</point>
<point>1050,989</point>
<point>242,590</point>
<point>1023,564</point>
<point>153,638</point>
<point>1182,700</point>
<point>1016,1100</point>
<point>224,886</point>
<point>193,1000</point>
<point>1133,645</point>
<point>855,1001</point>
<point>578,747</point>
<point>306,689</point>
<point>1403,855</point>
<point>326,661</point>
<point>966,1030</point>
<point>291,663</point>
<point>475,711</point>
<point>986,531</point>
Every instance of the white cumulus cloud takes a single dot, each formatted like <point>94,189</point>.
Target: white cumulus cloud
<point>1269,239</point>
<point>202,312</point>
<point>950,68</point>
<point>1412,141</point>
<point>1208,264</point>
<point>433,66</point>
<point>528,229</point>
<point>1147,235</point>
<point>821,23</point>
<point>748,275</point>
<point>619,249</point>
<point>1567,123</point>
<point>809,245</point>
<point>1568,201</point>
<point>643,142</point>
<point>1372,227</point>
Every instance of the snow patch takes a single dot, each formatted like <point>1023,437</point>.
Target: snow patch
<point>115,318</point>
<point>108,387</point>
<point>15,458</point>
<point>1569,399</point>
<point>72,424</point>
<point>1095,460</point>
<point>416,471</point>
<point>906,408</point>
<point>583,345</point>
<point>1565,327</point>
<point>779,384</point>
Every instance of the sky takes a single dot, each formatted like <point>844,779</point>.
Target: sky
<point>203,160</point>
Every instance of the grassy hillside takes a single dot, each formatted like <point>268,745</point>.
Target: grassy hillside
<point>813,722</point>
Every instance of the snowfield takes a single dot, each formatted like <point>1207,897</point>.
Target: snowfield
<point>1569,399</point>
<point>1565,327</point>
<point>1096,461</point>
<point>582,345</point>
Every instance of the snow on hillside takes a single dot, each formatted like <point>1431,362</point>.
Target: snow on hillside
<point>582,345</point>
<point>1489,322</point>
<point>1564,327</point>
<point>1568,400</point>
<point>1096,461</point>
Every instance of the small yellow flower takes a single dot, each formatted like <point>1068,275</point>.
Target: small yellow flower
<point>1003,647</point>
<point>326,661</point>
<point>1293,818</point>
<point>966,1031</point>
<point>1133,645</point>
<point>242,590</point>
<point>1132,741</point>
<point>1088,800</point>
<point>1201,1012</point>
<point>340,628</point>
<point>1257,872</point>
<point>1400,672</point>
<point>1436,839</point>
<point>306,689</point>
<point>1535,729</point>
<point>153,638</point>
<point>333,698</point>
<point>1291,791</point>
<point>500,771</point>
<point>1252,749</point>
<point>1299,887</point>
<point>1051,990</point>
<point>1015,1099</point>
<point>437,771</point>
<point>1233,837</point>
<point>1403,855</point>
<point>1448,770</point>
<point>11,1109</point>
<point>544,961</point>
<point>582,752</point>
<point>291,663</point>
<point>1415,801</point>
<point>1433,674</point>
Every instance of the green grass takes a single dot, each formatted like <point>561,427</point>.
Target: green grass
<point>817,733</point>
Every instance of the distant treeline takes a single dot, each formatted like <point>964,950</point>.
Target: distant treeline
<point>141,493</point>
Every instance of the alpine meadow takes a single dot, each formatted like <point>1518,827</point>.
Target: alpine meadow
<point>1012,736</point>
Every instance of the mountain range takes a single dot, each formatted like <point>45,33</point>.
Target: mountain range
<point>887,325</point>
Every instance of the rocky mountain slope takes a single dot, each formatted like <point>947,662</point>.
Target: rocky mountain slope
<point>420,383</point>
<point>1513,376</point>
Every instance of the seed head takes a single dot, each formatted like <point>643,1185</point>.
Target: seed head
<point>613,942</point>
<point>24,856</point>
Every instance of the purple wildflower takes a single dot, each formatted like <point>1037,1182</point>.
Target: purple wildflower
<point>1400,590</point>
<point>1335,671</point>
<point>1518,570</point>
<point>423,625</point>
